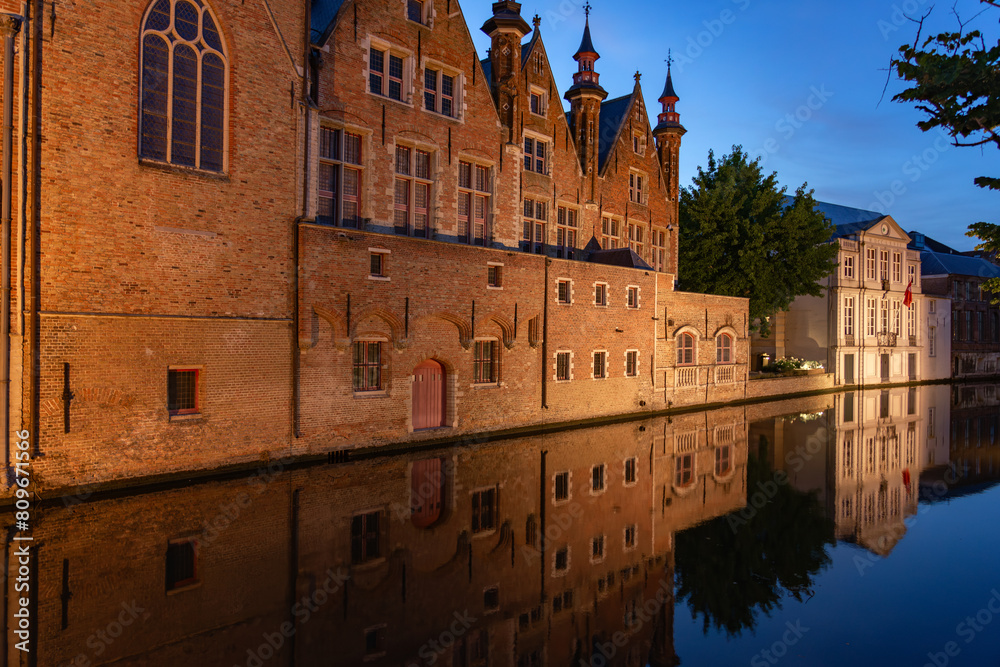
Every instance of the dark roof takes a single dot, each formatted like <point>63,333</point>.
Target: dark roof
<point>321,18</point>
<point>487,70</point>
<point>846,220</point>
<point>921,241</point>
<point>613,114</point>
<point>940,263</point>
<point>526,49</point>
<point>587,45</point>
<point>619,257</point>
<point>668,88</point>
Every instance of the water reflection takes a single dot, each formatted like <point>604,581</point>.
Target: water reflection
<point>568,548</point>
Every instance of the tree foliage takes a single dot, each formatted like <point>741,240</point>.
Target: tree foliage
<point>955,79</point>
<point>742,237</point>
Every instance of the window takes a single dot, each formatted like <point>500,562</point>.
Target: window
<point>932,342</point>
<point>884,309</point>
<point>932,306</point>
<point>685,350</point>
<point>376,263</point>
<point>182,391</point>
<point>182,564</point>
<point>659,250</point>
<point>413,191</point>
<point>367,366</point>
<point>638,143</point>
<point>610,233</point>
<point>954,325</point>
<point>911,272</point>
<point>561,486</point>
<point>597,478</point>
<point>182,117</point>
<point>722,459</point>
<point>631,363</point>
<point>870,264</point>
<point>632,297</point>
<point>956,290</point>
<point>630,536</point>
<point>535,215</point>
<point>597,549</point>
<point>883,264</point>
<point>539,102</point>
<point>849,316</point>
<point>535,155</point>
<point>494,275</point>
<point>911,321</point>
<point>491,599</point>
<point>897,267</point>
<point>848,454</point>
<point>339,178</point>
<point>635,236</point>
<point>484,507</point>
<point>724,349</point>
<point>366,542</point>
<point>562,366</point>
<point>375,642</point>
<point>600,365</point>
<point>849,267</point>
<point>872,316</point>
<point>561,563</point>
<point>564,292</point>
<point>600,294</point>
<point>636,188</point>
<point>385,74</point>
<point>486,362</point>
<point>475,189</point>
<point>630,475</point>
<point>440,92</point>
<point>566,228</point>
<point>684,470</point>
<point>896,317</point>
<point>417,10</point>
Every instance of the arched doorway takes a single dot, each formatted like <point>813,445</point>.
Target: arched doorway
<point>428,395</point>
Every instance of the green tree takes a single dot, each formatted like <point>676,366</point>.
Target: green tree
<point>955,79</point>
<point>742,237</point>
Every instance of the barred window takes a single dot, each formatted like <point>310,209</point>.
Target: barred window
<point>486,362</point>
<point>562,366</point>
<point>367,366</point>
<point>600,365</point>
<point>412,195</point>
<point>182,391</point>
<point>184,76</point>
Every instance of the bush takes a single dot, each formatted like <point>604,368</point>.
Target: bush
<point>786,364</point>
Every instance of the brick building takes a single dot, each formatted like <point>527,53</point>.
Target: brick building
<point>331,229</point>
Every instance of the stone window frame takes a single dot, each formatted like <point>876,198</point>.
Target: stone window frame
<point>563,280</point>
<point>537,138</point>
<point>364,135</point>
<point>638,297</point>
<point>635,372</point>
<point>383,254</point>
<point>407,87</point>
<point>604,365</point>
<point>184,414</point>
<point>427,13</point>
<point>555,365</point>
<point>457,94</point>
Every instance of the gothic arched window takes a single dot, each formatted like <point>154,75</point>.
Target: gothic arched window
<point>184,70</point>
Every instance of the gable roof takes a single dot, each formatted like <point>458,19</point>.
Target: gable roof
<point>613,115</point>
<point>321,19</point>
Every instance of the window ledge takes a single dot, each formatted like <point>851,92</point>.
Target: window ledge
<point>485,385</point>
<point>381,279</point>
<point>484,533</point>
<point>185,587</point>
<point>496,287</point>
<point>390,99</point>
<point>181,169</point>
<point>368,564</point>
<point>558,381</point>
<point>438,114</point>
<point>186,418</point>
<point>381,393</point>
<point>563,303</point>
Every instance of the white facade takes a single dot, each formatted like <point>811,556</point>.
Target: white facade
<point>937,338</point>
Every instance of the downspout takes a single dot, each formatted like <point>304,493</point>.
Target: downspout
<point>306,171</point>
<point>545,335</point>
<point>9,26</point>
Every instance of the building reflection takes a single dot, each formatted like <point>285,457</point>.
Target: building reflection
<point>563,548</point>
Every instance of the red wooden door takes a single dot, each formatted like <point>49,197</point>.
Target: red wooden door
<point>426,481</point>
<point>428,395</point>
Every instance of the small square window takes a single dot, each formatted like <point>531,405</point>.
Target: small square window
<point>494,276</point>
<point>562,559</point>
<point>597,478</point>
<point>564,293</point>
<point>182,391</point>
<point>377,265</point>
<point>600,294</point>
<point>562,366</point>
<point>562,486</point>
<point>182,564</point>
<point>633,297</point>
<point>630,471</point>
<point>491,599</point>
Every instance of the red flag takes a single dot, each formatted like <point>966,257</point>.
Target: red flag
<point>908,297</point>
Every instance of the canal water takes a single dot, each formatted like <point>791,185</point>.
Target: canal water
<point>857,528</point>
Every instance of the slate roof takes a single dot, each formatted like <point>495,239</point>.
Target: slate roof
<point>668,87</point>
<point>321,18</point>
<point>939,263</point>
<point>613,114</point>
<point>846,220</point>
<point>587,45</point>
<point>619,257</point>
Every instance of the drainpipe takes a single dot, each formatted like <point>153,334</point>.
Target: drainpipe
<point>10,24</point>
<point>306,171</point>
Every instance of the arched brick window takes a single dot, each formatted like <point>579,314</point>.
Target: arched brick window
<point>685,350</point>
<point>724,349</point>
<point>184,74</point>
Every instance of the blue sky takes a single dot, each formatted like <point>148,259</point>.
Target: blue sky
<point>795,83</point>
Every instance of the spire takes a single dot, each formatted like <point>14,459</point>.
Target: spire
<point>668,89</point>
<point>587,45</point>
<point>669,117</point>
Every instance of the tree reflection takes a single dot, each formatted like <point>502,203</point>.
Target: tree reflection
<point>731,569</point>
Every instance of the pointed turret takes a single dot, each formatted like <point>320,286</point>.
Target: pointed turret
<point>585,97</point>
<point>668,133</point>
<point>506,29</point>
<point>669,98</point>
